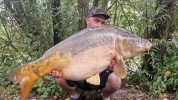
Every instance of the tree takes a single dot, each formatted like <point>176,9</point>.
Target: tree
<point>95,3</point>
<point>56,18</point>
<point>26,15</point>
<point>83,8</point>
<point>104,4</point>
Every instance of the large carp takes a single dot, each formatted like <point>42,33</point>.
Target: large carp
<point>82,55</point>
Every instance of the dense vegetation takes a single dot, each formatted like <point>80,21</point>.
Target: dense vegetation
<point>29,27</point>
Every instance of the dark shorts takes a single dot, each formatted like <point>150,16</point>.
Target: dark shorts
<point>87,86</point>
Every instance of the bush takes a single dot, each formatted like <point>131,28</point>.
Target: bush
<point>163,76</point>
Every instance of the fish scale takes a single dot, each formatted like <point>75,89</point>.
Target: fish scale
<point>74,45</point>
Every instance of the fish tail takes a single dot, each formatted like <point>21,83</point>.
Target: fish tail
<point>26,77</point>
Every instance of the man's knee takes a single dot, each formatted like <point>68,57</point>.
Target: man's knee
<point>114,82</point>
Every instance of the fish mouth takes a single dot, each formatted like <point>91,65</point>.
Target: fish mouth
<point>148,46</point>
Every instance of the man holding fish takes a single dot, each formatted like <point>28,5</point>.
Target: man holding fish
<point>109,82</point>
<point>85,60</point>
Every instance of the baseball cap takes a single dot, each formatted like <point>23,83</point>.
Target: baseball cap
<point>98,11</point>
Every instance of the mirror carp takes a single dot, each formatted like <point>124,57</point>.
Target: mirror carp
<point>82,56</point>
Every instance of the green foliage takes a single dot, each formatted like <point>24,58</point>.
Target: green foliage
<point>46,88</point>
<point>27,32</point>
<point>8,61</point>
<point>164,75</point>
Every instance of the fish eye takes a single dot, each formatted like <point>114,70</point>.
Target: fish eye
<point>139,43</point>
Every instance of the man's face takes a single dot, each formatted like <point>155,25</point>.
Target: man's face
<point>96,21</point>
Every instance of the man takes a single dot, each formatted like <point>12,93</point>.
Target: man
<point>109,82</point>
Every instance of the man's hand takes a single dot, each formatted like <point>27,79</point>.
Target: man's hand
<point>111,65</point>
<point>55,74</point>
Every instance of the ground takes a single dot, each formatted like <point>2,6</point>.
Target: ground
<point>127,92</point>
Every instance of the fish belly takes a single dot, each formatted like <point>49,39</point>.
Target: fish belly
<point>88,63</point>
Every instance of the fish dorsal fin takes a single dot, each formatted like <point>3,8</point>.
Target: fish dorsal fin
<point>95,80</point>
<point>120,69</point>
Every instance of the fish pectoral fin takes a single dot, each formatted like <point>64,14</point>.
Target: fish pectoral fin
<point>95,80</point>
<point>120,69</point>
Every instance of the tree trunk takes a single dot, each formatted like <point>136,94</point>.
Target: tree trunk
<point>95,3</point>
<point>104,4</point>
<point>16,9</point>
<point>115,13</point>
<point>83,12</point>
<point>56,17</point>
